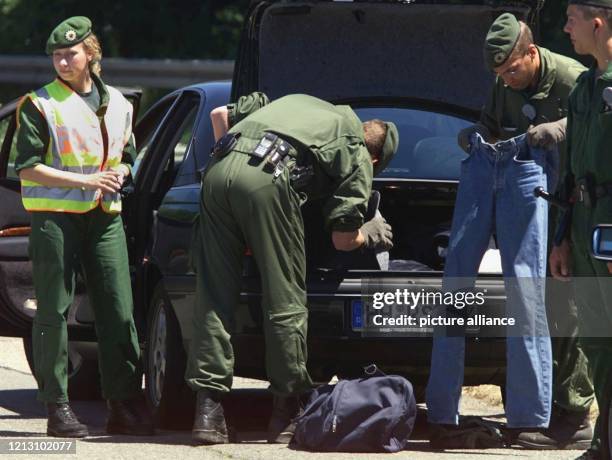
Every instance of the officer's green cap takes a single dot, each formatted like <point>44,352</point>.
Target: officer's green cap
<point>389,148</point>
<point>68,33</point>
<point>595,3</point>
<point>501,39</point>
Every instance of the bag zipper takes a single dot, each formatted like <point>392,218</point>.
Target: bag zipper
<point>334,416</point>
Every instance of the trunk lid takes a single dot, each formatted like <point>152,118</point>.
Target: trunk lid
<point>429,50</point>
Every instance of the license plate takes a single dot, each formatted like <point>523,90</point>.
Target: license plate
<point>357,315</point>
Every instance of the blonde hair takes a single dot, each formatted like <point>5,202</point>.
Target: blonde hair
<point>375,132</point>
<point>92,46</point>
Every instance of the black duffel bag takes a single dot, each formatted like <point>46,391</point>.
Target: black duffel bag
<point>371,414</point>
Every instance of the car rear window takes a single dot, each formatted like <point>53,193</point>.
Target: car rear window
<point>428,143</point>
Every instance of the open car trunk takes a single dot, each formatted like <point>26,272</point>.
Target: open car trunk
<point>429,50</point>
<point>420,214</point>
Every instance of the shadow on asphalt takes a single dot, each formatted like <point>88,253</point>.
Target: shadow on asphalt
<point>247,413</point>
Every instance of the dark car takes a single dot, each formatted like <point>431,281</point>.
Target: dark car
<point>418,64</point>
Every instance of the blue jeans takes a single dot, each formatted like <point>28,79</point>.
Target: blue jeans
<point>496,195</point>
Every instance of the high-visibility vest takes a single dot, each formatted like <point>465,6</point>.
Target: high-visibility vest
<point>77,144</point>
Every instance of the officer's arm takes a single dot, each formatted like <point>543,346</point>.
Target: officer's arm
<point>349,165</point>
<point>220,122</point>
<point>347,241</point>
<point>106,181</point>
<point>489,114</point>
<point>245,106</point>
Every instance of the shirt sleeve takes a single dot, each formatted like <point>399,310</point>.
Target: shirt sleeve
<point>129,153</point>
<point>488,115</point>
<point>565,174</point>
<point>32,136</point>
<point>349,166</point>
<point>245,106</point>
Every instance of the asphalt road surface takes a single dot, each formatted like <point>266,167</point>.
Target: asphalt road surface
<point>22,418</point>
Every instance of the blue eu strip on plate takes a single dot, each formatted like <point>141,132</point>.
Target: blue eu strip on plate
<point>357,315</point>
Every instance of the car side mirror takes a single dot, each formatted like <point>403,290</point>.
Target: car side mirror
<point>601,243</point>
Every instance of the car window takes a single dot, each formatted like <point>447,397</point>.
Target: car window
<point>184,135</point>
<point>174,140</point>
<point>146,128</point>
<point>427,143</point>
<point>8,140</point>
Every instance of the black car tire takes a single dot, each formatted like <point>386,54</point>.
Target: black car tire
<point>170,399</point>
<point>83,374</point>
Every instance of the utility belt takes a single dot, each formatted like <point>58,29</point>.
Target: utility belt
<point>587,191</point>
<point>273,150</point>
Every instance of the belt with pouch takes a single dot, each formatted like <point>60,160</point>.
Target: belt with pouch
<point>588,192</point>
<point>272,149</point>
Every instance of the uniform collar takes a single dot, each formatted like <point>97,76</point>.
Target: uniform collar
<point>548,74</point>
<point>607,75</point>
<point>102,90</point>
<point>104,96</point>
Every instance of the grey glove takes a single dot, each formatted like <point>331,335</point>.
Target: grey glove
<point>377,234</point>
<point>463,138</point>
<point>547,135</point>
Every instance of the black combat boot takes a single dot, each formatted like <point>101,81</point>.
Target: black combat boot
<point>130,416</point>
<point>209,425</point>
<point>285,410</point>
<point>63,423</point>
<point>567,430</point>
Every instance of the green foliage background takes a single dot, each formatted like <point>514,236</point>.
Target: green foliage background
<point>173,29</point>
<point>177,29</point>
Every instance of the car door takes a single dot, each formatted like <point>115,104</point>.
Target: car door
<point>16,289</point>
<point>17,298</point>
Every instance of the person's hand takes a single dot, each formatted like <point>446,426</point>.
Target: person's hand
<point>377,234</point>
<point>609,264</point>
<point>105,181</point>
<point>463,138</point>
<point>547,135</point>
<point>560,261</point>
<point>124,172</point>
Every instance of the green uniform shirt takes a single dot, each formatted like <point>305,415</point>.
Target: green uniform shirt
<point>502,113</point>
<point>33,134</point>
<point>327,136</point>
<point>589,135</point>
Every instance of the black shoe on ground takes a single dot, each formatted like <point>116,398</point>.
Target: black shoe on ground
<point>567,430</point>
<point>209,426</point>
<point>63,423</point>
<point>590,455</point>
<point>285,410</point>
<point>130,416</point>
<point>471,433</point>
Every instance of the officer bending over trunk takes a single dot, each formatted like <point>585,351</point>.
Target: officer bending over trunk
<point>269,157</point>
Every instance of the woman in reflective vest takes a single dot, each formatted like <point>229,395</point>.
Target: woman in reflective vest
<point>74,151</point>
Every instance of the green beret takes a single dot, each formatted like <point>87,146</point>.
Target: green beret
<point>501,39</point>
<point>595,3</point>
<point>70,32</point>
<point>389,148</point>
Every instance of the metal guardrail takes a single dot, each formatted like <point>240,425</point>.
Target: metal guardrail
<point>156,73</point>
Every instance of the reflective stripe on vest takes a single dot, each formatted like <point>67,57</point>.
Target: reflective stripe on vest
<point>77,145</point>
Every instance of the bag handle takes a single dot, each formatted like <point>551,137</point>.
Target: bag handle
<point>373,371</point>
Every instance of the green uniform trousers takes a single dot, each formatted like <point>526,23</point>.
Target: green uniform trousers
<point>572,386</point>
<point>593,289</point>
<point>60,245</point>
<point>242,206</point>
